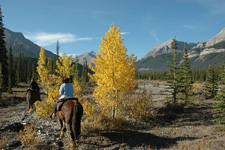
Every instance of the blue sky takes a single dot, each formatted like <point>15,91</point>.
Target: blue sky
<point>144,24</point>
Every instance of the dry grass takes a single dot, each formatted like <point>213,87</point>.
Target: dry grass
<point>7,137</point>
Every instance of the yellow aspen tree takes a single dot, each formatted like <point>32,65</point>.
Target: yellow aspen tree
<point>50,81</point>
<point>114,72</point>
<point>42,69</point>
<point>65,67</point>
<point>77,90</point>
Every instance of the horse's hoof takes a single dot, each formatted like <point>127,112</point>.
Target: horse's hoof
<point>61,136</point>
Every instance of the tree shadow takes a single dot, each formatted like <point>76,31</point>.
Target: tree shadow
<point>139,139</point>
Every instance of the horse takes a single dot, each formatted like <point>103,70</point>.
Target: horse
<point>70,114</point>
<point>32,97</point>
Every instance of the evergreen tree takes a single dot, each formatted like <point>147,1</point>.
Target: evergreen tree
<point>1,83</point>
<point>210,87</point>
<point>173,76</point>
<point>76,71</point>
<point>220,107</point>
<point>20,72</point>
<point>3,54</point>
<point>10,70</point>
<point>85,77</point>
<point>56,58</point>
<point>34,72</point>
<point>57,50</point>
<point>29,69</point>
<point>186,76</point>
<point>24,70</point>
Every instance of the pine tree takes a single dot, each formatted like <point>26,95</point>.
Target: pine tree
<point>57,50</point>
<point>24,69</point>
<point>210,87</point>
<point>56,58</point>
<point>3,54</point>
<point>85,77</point>
<point>220,107</point>
<point>1,82</point>
<point>173,76</point>
<point>114,72</point>
<point>29,70</point>
<point>186,76</point>
<point>19,70</point>
<point>34,72</point>
<point>76,71</point>
<point>10,70</point>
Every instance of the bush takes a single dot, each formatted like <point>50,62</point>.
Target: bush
<point>27,135</point>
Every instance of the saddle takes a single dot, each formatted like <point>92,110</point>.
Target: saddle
<point>62,101</point>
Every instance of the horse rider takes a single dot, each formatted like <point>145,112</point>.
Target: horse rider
<point>66,90</point>
<point>34,86</point>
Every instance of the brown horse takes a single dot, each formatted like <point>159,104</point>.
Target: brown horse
<point>32,97</point>
<point>70,117</point>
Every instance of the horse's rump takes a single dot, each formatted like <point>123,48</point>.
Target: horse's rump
<point>59,105</point>
<point>32,97</point>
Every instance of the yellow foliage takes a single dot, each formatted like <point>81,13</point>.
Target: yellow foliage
<point>114,71</point>
<point>140,105</point>
<point>27,136</point>
<point>89,108</point>
<point>195,87</point>
<point>51,82</point>
<point>77,90</point>
<point>65,67</point>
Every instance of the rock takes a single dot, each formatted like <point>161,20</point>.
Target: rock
<point>14,143</point>
<point>13,127</point>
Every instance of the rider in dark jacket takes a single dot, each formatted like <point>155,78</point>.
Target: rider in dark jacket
<point>34,86</point>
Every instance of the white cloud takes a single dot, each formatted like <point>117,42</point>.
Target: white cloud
<point>68,55</point>
<point>189,27</point>
<point>46,39</point>
<point>123,33</point>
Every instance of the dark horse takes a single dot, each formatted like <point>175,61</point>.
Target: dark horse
<point>69,115</point>
<point>32,97</point>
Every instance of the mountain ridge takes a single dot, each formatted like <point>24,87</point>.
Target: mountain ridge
<point>22,45</point>
<point>201,54</point>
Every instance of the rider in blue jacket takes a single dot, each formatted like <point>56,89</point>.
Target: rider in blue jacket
<point>66,90</point>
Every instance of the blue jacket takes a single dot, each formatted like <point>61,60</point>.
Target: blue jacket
<point>66,90</point>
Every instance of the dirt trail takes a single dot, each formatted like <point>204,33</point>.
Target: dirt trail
<point>192,129</point>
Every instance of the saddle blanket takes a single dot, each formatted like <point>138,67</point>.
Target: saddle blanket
<point>62,101</point>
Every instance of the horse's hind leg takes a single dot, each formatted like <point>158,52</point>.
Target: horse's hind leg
<point>62,127</point>
<point>72,138</point>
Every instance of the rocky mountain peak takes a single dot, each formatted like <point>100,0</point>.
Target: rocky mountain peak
<point>86,56</point>
<point>216,39</point>
<point>166,48</point>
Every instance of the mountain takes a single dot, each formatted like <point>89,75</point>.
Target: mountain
<point>21,45</point>
<point>86,56</point>
<point>201,54</point>
<point>210,52</point>
<point>157,59</point>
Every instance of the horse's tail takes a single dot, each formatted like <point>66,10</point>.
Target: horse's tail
<point>76,120</point>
